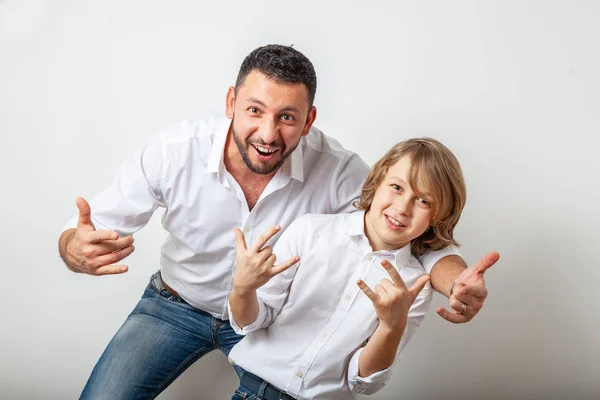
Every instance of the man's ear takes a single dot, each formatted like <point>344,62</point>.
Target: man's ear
<point>230,102</point>
<point>310,119</point>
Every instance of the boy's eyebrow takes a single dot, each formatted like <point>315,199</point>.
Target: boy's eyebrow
<point>421,193</point>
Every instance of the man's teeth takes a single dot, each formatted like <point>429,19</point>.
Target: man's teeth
<point>265,150</point>
<point>393,221</point>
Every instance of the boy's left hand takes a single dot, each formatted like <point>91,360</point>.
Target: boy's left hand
<point>469,292</point>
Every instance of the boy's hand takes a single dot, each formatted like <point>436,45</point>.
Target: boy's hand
<point>392,299</point>
<point>256,265</point>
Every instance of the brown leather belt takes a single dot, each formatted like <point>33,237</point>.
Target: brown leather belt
<point>173,292</point>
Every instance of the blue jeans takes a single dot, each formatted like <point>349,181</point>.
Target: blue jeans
<point>160,339</point>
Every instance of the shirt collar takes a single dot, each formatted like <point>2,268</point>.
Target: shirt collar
<point>215,159</point>
<point>355,226</point>
<point>292,166</point>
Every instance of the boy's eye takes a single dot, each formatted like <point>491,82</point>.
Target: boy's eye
<point>395,187</point>
<point>424,202</point>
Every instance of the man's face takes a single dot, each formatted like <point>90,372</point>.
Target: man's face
<point>269,118</point>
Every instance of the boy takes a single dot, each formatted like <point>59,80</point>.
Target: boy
<point>351,293</point>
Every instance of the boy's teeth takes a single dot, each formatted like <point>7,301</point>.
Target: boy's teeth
<point>393,221</point>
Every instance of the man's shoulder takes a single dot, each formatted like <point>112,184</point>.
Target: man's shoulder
<point>195,128</point>
<point>319,142</point>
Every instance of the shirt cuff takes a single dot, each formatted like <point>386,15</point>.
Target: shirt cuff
<point>251,327</point>
<point>429,259</point>
<point>369,384</point>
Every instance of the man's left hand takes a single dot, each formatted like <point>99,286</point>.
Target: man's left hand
<point>469,292</point>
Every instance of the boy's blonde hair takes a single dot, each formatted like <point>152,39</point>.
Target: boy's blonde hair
<point>434,164</point>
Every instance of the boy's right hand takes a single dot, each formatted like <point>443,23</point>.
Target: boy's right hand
<point>92,252</point>
<point>255,265</point>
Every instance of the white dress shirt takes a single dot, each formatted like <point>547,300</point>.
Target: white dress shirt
<point>182,171</point>
<point>314,320</point>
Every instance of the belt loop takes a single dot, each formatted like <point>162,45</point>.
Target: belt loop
<point>261,390</point>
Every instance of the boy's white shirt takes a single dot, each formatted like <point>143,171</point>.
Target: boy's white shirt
<point>313,319</point>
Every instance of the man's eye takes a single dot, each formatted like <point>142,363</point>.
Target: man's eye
<point>253,110</point>
<point>287,117</point>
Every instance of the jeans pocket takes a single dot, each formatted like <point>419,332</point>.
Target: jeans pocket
<point>156,284</point>
<point>241,393</point>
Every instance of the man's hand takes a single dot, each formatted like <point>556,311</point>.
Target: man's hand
<point>469,292</point>
<point>256,265</point>
<point>92,252</point>
<point>392,299</point>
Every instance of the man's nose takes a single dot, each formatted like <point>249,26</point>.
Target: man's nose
<point>269,131</point>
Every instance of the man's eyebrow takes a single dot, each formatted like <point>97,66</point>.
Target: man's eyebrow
<point>257,101</point>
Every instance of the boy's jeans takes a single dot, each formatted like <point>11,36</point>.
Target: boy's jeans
<point>161,337</point>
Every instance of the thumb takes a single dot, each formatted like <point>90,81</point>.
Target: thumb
<point>419,285</point>
<point>240,240</point>
<point>486,262</point>
<point>85,218</point>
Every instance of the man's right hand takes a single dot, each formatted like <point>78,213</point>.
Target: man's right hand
<point>93,252</point>
<point>256,265</point>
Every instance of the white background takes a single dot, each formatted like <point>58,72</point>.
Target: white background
<point>512,87</point>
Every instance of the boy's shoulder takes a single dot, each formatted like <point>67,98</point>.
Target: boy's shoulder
<point>317,223</point>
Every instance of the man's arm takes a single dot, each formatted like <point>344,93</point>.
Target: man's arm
<point>467,284</point>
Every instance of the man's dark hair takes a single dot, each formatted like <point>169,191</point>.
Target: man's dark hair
<point>283,64</point>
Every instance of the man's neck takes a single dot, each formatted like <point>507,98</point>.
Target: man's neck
<point>252,184</point>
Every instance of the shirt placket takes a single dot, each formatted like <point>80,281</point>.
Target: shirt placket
<point>341,312</point>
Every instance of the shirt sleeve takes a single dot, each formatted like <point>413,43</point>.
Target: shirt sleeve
<point>377,381</point>
<point>129,202</point>
<point>272,295</point>
<point>429,259</point>
<point>347,183</point>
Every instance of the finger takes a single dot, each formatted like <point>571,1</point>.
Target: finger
<point>240,240</point>
<point>112,270</point>
<point>374,297</point>
<point>419,285</point>
<point>474,303</point>
<point>112,258</point>
<point>85,213</point>
<point>265,253</point>
<point>101,236</point>
<point>486,262</point>
<point>477,290</point>
<point>264,238</point>
<point>282,267</point>
<point>388,286</point>
<point>270,261</point>
<point>108,246</point>
<point>456,305</point>
<point>454,318</point>
<point>394,274</point>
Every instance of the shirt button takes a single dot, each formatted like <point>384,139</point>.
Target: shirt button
<point>299,374</point>
<point>348,297</point>
<point>369,258</point>
<point>324,335</point>
<point>247,229</point>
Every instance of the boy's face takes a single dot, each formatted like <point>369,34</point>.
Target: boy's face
<point>397,214</point>
<point>269,118</point>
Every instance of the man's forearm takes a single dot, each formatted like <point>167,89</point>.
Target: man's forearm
<point>445,272</point>
<point>244,307</point>
<point>63,243</point>
<point>380,351</point>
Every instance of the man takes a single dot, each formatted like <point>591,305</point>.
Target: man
<point>263,165</point>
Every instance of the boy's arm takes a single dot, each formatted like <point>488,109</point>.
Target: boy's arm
<point>400,311</point>
<point>464,286</point>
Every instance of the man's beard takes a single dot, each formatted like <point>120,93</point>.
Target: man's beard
<point>261,169</point>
